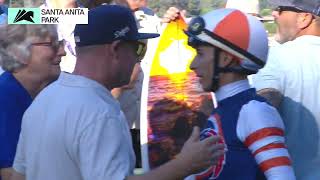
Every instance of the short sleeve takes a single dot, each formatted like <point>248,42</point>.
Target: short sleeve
<point>20,160</point>
<point>261,130</point>
<point>105,150</point>
<point>272,75</point>
<point>260,117</point>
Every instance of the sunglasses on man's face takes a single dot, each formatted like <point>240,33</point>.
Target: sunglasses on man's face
<point>140,49</point>
<point>280,9</point>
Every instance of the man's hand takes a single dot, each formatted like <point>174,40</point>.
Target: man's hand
<point>172,14</point>
<point>195,156</point>
<point>17,176</point>
<point>273,96</point>
<point>6,173</point>
<point>198,155</point>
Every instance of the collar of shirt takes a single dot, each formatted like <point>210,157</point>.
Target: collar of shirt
<point>232,89</point>
<point>81,81</point>
<point>308,39</point>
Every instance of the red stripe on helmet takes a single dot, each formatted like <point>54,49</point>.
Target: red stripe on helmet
<point>238,35</point>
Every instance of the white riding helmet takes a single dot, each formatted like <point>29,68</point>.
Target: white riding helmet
<point>235,32</point>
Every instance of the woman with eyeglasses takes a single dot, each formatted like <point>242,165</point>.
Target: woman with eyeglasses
<point>30,56</point>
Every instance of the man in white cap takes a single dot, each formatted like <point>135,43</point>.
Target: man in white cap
<point>290,81</point>
<point>247,6</point>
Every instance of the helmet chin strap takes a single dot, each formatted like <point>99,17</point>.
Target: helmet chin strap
<point>216,69</point>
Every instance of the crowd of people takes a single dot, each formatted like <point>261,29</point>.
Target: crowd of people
<point>70,94</point>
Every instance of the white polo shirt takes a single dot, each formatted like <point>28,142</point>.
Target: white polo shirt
<point>74,130</point>
<point>294,69</point>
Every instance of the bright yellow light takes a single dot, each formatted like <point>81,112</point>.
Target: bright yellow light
<point>173,54</point>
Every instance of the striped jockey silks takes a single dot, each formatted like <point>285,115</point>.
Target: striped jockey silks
<point>254,135</point>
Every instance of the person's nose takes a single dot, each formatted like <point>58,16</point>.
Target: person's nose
<point>194,64</point>
<point>275,14</point>
<point>61,51</point>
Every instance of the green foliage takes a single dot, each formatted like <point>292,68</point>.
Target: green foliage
<point>263,4</point>
<point>266,12</point>
<point>193,7</point>
<point>271,27</point>
<point>198,7</point>
<point>209,5</point>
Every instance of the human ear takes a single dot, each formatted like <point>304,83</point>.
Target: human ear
<point>304,20</point>
<point>225,59</point>
<point>114,49</point>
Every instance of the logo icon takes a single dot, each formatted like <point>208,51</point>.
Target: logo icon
<point>122,32</point>
<point>24,15</point>
<point>195,26</point>
<point>213,128</point>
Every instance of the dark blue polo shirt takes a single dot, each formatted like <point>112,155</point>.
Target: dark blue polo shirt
<point>14,100</point>
<point>3,14</point>
<point>4,9</point>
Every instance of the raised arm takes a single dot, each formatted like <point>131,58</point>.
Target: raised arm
<point>194,157</point>
<point>16,176</point>
<point>261,129</point>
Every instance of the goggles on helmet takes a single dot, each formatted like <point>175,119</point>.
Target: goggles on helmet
<point>198,35</point>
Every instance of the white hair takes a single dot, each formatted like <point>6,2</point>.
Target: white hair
<point>16,41</point>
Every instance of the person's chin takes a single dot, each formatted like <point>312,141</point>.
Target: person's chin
<point>211,88</point>
<point>54,76</point>
<point>206,88</point>
<point>55,71</point>
<point>279,37</point>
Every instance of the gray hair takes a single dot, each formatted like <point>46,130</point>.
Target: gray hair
<point>16,41</point>
<point>25,3</point>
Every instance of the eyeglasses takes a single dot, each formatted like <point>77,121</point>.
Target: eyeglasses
<point>55,45</point>
<point>280,9</point>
